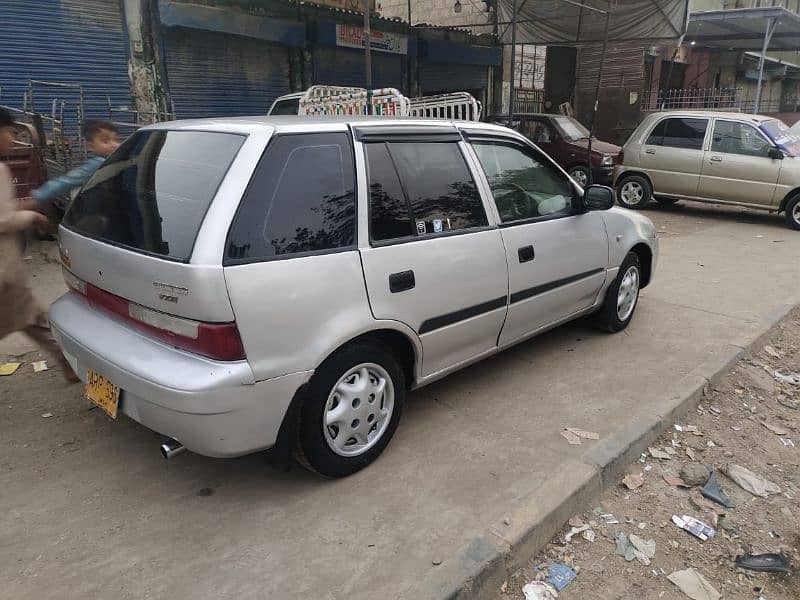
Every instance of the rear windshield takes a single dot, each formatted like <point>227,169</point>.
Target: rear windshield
<point>153,192</point>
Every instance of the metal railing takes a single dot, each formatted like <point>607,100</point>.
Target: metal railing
<point>529,101</point>
<point>693,98</point>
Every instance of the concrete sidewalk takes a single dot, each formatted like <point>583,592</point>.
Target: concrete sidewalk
<point>92,511</point>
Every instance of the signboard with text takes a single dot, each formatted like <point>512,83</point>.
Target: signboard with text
<point>350,36</point>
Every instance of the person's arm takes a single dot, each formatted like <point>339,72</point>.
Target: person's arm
<point>61,185</point>
<point>11,219</point>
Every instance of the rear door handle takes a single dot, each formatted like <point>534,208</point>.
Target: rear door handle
<point>526,254</point>
<point>649,151</point>
<point>716,159</point>
<point>402,281</point>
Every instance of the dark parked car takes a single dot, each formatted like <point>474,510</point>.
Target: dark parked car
<point>567,141</point>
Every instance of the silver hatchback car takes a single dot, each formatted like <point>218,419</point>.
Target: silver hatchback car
<point>243,284</point>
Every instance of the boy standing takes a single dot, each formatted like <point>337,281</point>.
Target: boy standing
<point>19,311</point>
<point>102,138</point>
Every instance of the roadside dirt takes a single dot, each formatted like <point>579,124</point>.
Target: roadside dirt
<point>730,430</point>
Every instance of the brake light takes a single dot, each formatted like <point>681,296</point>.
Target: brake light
<point>220,341</point>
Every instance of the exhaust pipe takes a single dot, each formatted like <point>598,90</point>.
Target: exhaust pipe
<point>171,448</point>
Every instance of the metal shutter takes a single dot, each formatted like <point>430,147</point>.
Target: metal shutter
<point>64,41</point>
<point>217,74</point>
<point>435,77</point>
<point>345,66</point>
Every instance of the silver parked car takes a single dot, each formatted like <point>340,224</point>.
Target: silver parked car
<point>725,158</point>
<point>239,284</point>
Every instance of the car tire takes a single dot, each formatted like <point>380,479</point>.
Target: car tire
<point>580,174</point>
<point>667,201</point>
<point>617,311</point>
<point>793,213</point>
<point>634,192</point>
<point>333,407</point>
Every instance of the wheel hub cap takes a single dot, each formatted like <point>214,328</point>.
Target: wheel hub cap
<point>628,293</point>
<point>358,410</point>
<point>796,213</point>
<point>580,177</point>
<point>632,193</point>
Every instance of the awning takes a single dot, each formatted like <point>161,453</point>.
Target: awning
<point>564,23</point>
<point>744,29</point>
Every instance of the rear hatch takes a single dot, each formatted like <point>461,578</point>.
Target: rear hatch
<point>128,238</point>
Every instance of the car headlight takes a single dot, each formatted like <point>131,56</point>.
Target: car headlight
<point>607,160</point>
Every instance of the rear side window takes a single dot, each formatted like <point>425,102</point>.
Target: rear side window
<point>679,133</point>
<point>301,200</point>
<point>287,106</point>
<point>420,188</point>
<point>152,194</point>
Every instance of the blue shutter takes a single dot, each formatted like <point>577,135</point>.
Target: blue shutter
<point>215,74</point>
<point>437,77</point>
<point>345,66</point>
<point>64,41</point>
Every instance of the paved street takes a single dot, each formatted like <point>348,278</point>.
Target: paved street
<point>91,510</point>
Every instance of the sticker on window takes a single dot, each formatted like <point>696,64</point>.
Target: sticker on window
<point>437,226</point>
<point>421,227</point>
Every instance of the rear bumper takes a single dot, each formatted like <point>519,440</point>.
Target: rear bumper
<point>213,408</point>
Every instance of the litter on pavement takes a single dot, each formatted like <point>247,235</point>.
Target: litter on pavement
<point>609,519</point>
<point>624,547</point>
<point>694,585</point>
<point>713,492</point>
<point>539,590</point>
<point>39,366</point>
<point>574,436</point>
<point>676,481</point>
<point>560,576</point>
<point>694,526</point>
<point>644,549</point>
<point>776,429</point>
<point>633,481</point>
<point>787,442</point>
<point>749,481</point>
<point>765,563</point>
<point>10,368</point>
<point>575,531</point>
<point>772,352</point>
<point>658,453</point>
<point>783,378</point>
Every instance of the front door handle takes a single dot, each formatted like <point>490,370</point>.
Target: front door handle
<point>526,254</point>
<point>649,151</point>
<point>716,159</point>
<point>402,281</point>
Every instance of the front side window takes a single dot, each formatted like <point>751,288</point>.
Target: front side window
<point>420,188</point>
<point>539,132</point>
<point>524,186</point>
<point>679,132</point>
<point>731,137</point>
<point>152,194</point>
<point>301,199</point>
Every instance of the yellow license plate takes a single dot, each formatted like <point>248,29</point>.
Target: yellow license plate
<point>101,392</point>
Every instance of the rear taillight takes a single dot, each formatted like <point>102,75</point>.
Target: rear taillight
<point>220,341</point>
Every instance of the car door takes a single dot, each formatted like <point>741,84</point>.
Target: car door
<point>557,255</point>
<point>433,261</point>
<point>672,155</point>
<point>737,167</point>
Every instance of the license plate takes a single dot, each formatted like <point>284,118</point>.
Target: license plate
<point>101,392</point>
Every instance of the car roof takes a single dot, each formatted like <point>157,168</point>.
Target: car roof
<point>710,113</point>
<point>294,123</point>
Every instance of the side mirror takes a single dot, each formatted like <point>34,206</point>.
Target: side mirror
<point>598,197</point>
<point>775,153</point>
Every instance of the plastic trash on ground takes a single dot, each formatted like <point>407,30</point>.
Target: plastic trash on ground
<point>9,368</point>
<point>764,563</point>
<point>694,585</point>
<point>713,492</point>
<point>539,590</point>
<point>560,576</point>
<point>749,481</point>
<point>694,526</point>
